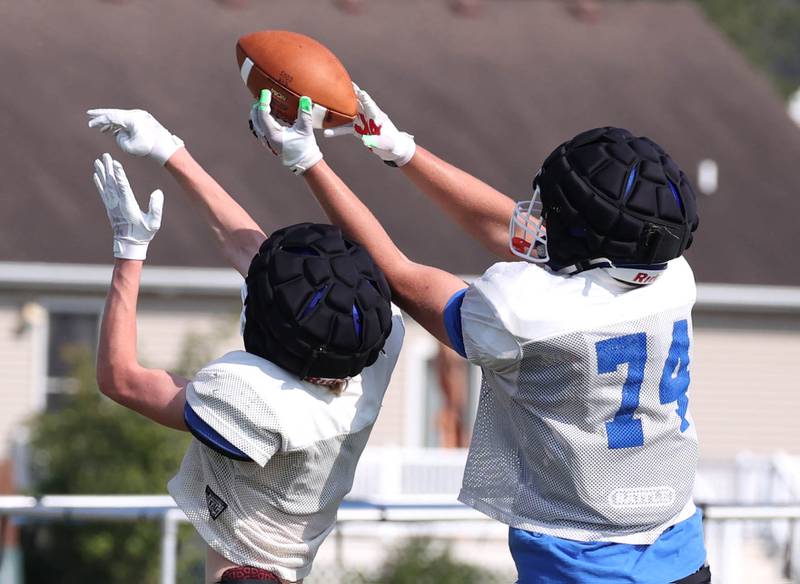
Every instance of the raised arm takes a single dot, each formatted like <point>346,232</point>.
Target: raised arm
<point>236,232</point>
<point>420,290</point>
<point>140,134</point>
<point>154,393</point>
<point>482,211</point>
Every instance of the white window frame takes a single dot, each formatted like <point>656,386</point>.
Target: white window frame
<point>62,305</point>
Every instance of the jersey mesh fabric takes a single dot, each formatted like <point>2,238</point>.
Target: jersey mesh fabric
<point>275,517</point>
<point>305,442</point>
<point>231,400</point>
<point>540,457</point>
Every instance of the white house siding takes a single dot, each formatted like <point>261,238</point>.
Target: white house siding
<point>18,389</point>
<point>391,427</point>
<point>745,392</point>
<point>166,325</point>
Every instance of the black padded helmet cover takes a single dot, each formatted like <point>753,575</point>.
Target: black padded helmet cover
<point>609,194</point>
<point>317,305</point>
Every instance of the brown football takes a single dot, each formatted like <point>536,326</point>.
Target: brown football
<point>292,65</point>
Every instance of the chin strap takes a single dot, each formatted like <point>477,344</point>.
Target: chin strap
<point>633,274</point>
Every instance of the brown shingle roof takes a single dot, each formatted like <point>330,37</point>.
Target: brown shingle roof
<point>492,94</point>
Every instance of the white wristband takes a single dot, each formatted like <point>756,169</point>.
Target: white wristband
<point>130,250</point>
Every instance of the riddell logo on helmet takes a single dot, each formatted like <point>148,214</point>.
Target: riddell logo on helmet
<point>644,278</point>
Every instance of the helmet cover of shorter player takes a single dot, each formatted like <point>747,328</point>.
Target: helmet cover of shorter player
<point>317,305</point>
<point>607,199</point>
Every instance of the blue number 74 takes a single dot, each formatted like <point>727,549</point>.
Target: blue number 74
<point>625,431</point>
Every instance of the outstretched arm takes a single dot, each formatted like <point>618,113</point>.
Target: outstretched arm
<point>139,133</point>
<point>482,211</point>
<point>154,393</point>
<point>236,232</point>
<point>422,291</point>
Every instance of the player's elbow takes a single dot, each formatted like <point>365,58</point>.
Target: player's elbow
<point>413,277</point>
<point>114,381</point>
<point>241,247</point>
<point>398,270</point>
<point>107,380</point>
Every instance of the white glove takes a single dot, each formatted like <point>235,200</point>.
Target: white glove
<point>132,229</point>
<point>377,132</point>
<point>295,145</point>
<point>137,132</point>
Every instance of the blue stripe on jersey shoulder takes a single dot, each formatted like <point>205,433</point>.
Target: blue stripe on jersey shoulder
<point>544,559</point>
<point>210,437</point>
<point>452,322</point>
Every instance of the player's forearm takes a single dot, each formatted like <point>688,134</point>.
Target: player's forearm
<point>116,353</point>
<point>238,235</point>
<point>356,221</point>
<point>154,393</point>
<point>422,291</point>
<point>480,210</point>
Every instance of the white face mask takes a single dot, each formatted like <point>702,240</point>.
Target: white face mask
<point>527,234</point>
<point>527,239</point>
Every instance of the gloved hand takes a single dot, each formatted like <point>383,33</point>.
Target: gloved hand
<point>137,132</point>
<point>132,229</point>
<point>377,132</point>
<point>295,145</point>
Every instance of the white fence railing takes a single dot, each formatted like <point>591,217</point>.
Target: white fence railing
<point>163,509</point>
<point>774,479</point>
<point>751,504</point>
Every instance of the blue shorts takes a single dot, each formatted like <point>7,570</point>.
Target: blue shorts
<point>544,559</point>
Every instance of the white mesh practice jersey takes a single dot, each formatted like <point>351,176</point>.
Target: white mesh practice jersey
<point>305,442</point>
<point>583,429</point>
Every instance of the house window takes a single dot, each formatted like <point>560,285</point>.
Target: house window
<point>72,336</point>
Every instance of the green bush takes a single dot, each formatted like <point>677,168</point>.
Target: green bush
<point>92,445</point>
<point>422,561</point>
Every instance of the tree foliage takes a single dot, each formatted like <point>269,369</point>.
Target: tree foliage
<point>766,31</point>
<point>422,561</point>
<point>94,446</point>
